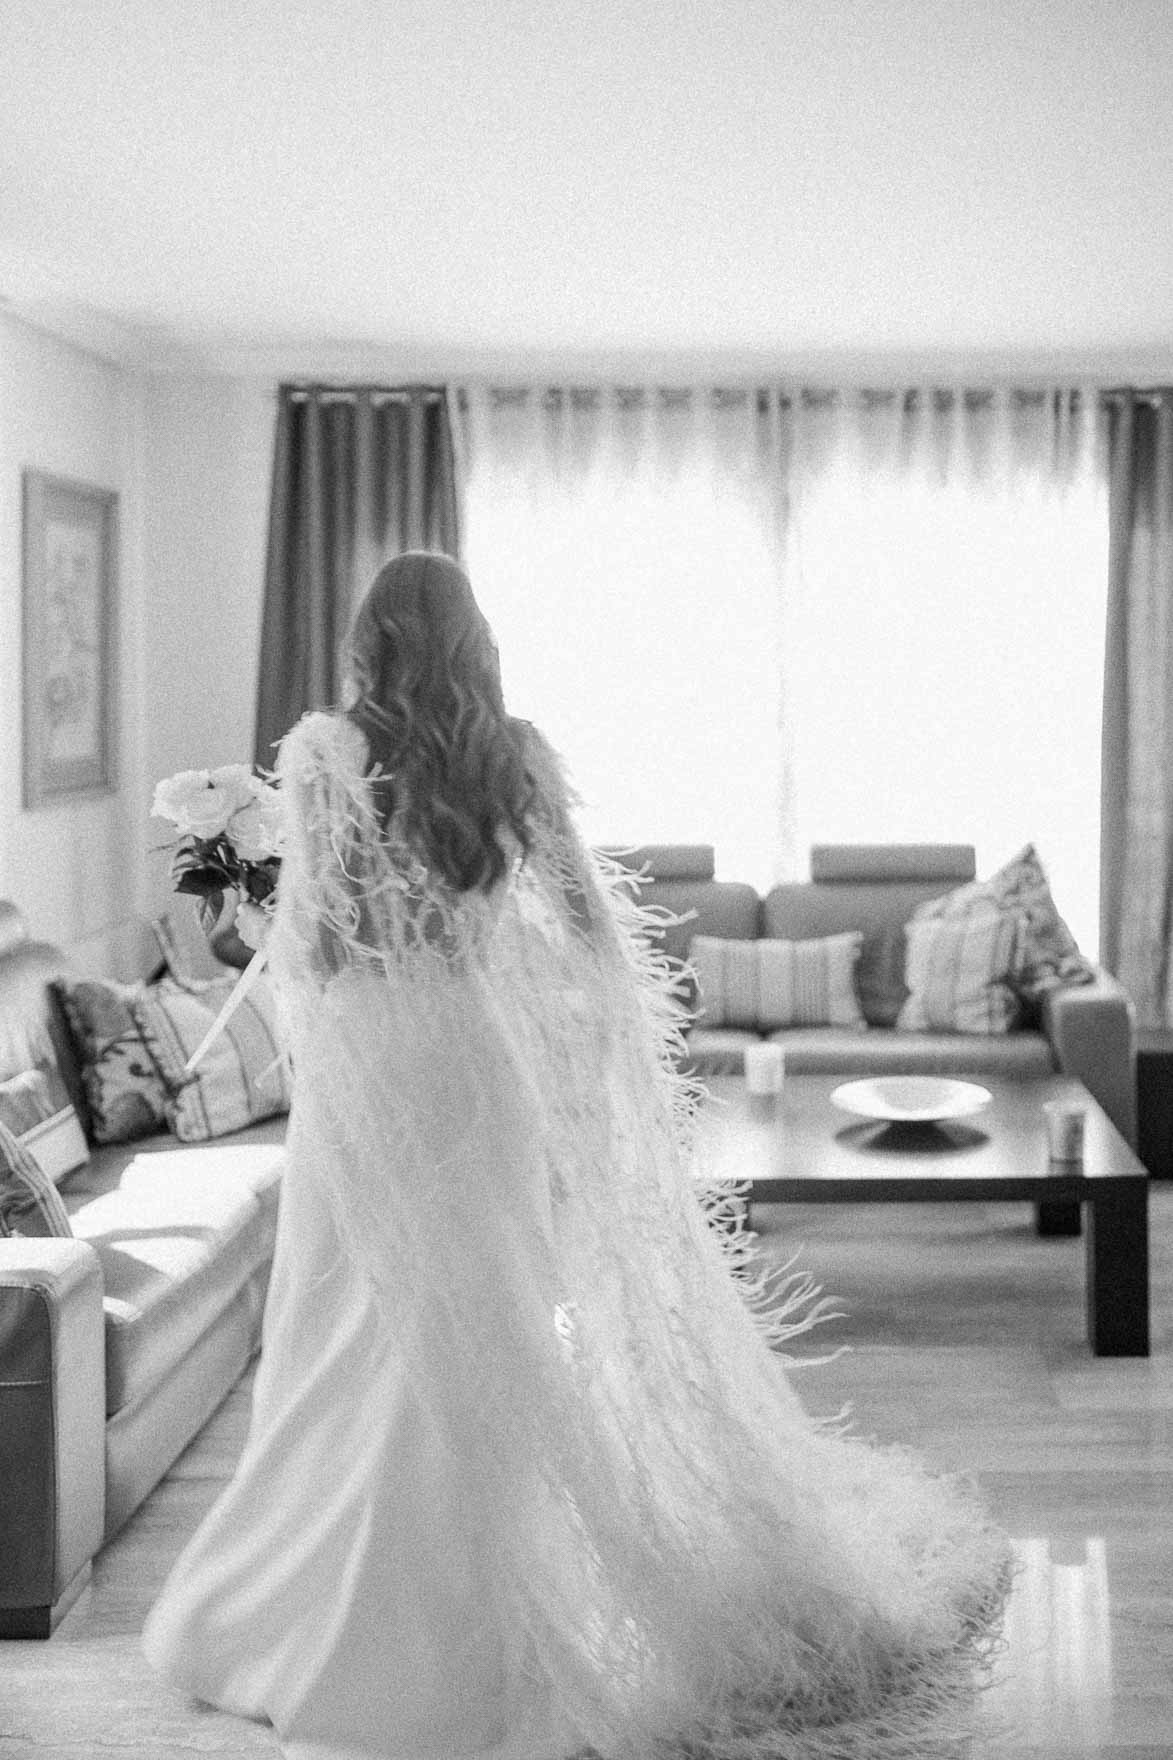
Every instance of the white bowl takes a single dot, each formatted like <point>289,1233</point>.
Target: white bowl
<point>911,1099</point>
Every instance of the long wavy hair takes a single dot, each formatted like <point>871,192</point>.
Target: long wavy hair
<point>424,685</point>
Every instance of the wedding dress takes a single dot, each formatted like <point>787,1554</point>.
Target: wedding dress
<point>525,1476</point>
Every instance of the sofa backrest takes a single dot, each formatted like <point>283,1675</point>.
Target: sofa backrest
<point>874,888</point>
<point>727,908</point>
<point>30,1015</point>
<point>678,878</point>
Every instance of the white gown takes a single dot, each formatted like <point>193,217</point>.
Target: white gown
<point>524,1475</point>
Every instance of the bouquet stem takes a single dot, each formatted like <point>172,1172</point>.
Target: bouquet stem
<point>236,996</point>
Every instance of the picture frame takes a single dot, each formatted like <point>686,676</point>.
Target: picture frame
<point>70,639</point>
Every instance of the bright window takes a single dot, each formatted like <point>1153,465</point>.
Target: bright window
<point>636,630</point>
<point>942,675</point>
<point>946,676</point>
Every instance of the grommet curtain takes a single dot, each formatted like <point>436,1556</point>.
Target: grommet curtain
<point>1136,884</point>
<point>360,473</point>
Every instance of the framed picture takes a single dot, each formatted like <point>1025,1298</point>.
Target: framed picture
<point>70,638</point>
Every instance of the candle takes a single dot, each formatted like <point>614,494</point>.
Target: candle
<point>764,1065</point>
<point>1065,1121</point>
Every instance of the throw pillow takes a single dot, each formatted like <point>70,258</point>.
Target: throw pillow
<point>1050,956</point>
<point>35,1106</point>
<point>29,1201</point>
<point>239,1080</point>
<point>766,984</point>
<point>961,974</point>
<point>123,1083</point>
<point>186,950</point>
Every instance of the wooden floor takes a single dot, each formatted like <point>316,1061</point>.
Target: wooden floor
<point>967,1340</point>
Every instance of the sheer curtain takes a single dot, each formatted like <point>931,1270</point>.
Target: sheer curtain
<point>944,634</point>
<point>624,545</point>
<point>769,616</point>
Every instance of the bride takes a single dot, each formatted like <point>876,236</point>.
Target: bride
<point>525,1475</point>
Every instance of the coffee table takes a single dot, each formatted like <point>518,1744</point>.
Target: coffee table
<point>798,1148</point>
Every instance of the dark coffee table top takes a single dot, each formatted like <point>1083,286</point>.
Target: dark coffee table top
<point>798,1146</point>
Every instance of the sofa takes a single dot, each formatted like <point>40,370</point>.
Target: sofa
<point>116,1345</point>
<point>1086,1030</point>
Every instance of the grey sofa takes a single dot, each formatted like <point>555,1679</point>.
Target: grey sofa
<point>1087,1031</point>
<point>115,1346</point>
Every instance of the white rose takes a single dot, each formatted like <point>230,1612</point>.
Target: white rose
<point>237,782</point>
<point>201,802</point>
<point>173,794</point>
<point>254,830</point>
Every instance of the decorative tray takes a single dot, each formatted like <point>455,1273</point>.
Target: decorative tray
<point>911,1099</point>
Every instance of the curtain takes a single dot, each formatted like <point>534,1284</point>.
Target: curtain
<point>360,473</point>
<point>944,612</point>
<point>769,615</point>
<point>624,541</point>
<point>1137,805</point>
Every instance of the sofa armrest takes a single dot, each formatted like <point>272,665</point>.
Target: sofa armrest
<point>1092,1030</point>
<point>52,1428</point>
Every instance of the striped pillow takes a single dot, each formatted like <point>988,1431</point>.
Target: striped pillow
<point>960,974</point>
<point>239,1080</point>
<point>1050,956</point>
<point>35,1106</point>
<point>29,1201</point>
<point>768,984</point>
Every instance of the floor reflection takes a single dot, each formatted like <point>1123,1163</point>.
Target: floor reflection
<point>1054,1682</point>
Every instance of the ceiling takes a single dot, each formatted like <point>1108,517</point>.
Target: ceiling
<point>466,182</point>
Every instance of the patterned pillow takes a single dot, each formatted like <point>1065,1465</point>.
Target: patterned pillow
<point>1050,957</point>
<point>767,984</point>
<point>29,1201</point>
<point>961,974</point>
<point>239,1080</point>
<point>35,1106</point>
<point>123,1083</point>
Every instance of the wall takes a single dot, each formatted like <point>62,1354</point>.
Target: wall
<point>206,478</point>
<point>75,869</point>
<point>190,460</point>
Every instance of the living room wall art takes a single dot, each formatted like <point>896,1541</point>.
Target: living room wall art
<point>70,638</point>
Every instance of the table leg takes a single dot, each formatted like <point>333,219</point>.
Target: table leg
<point>1057,1218</point>
<point>1118,1271</point>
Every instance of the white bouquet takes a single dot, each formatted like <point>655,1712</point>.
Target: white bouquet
<point>230,835</point>
<point>229,825</point>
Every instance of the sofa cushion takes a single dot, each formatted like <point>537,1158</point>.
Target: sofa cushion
<point>960,973</point>
<point>725,908</point>
<point>893,861</point>
<point>36,1108</point>
<point>178,1231</point>
<point>1050,955</point>
<point>33,1028</point>
<point>240,1079</point>
<point>803,910</point>
<point>667,861</point>
<point>769,983</point>
<point>830,1051</point>
<point>186,950</point>
<point>720,1051</point>
<point>125,1093</point>
<point>30,1203</point>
